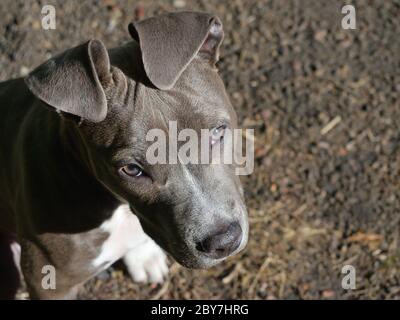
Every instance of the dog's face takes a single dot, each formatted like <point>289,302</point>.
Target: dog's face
<point>196,212</point>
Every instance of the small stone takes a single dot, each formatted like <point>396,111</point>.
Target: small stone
<point>328,294</point>
<point>23,71</point>
<point>179,3</point>
<point>320,35</point>
<point>139,12</point>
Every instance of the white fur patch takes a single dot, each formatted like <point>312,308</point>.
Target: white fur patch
<point>125,234</point>
<point>145,260</point>
<point>16,252</point>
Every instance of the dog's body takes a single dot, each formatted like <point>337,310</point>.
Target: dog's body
<point>81,229</point>
<point>63,193</point>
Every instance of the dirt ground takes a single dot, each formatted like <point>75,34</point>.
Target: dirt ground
<point>325,105</point>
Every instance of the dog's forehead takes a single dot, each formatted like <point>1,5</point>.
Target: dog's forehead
<point>202,84</point>
<point>198,101</point>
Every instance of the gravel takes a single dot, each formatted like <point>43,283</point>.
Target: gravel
<point>325,105</point>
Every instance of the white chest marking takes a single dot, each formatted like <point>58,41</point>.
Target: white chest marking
<point>125,234</point>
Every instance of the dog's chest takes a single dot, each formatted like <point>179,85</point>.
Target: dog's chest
<point>125,233</point>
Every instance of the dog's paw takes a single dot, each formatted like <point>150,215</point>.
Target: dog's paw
<point>147,263</point>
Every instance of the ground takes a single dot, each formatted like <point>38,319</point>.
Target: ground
<point>324,103</point>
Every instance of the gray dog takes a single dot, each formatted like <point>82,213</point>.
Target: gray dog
<point>75,187</point>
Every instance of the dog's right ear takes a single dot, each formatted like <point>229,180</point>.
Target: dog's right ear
<point>74,81</point>
<point>169,42</point>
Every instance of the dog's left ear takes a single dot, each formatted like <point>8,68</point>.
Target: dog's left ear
<point>74,81</point>
<point>169,42</point>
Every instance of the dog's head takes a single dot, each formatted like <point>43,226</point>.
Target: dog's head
<point>196,212</point>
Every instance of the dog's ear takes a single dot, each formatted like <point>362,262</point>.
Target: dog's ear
<point>169,42</point>
<point>74,81</point>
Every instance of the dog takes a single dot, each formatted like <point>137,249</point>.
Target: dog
<point>76,191</point>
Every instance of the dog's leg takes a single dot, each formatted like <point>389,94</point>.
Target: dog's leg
<point>37,271</point>
<point>147,262</point>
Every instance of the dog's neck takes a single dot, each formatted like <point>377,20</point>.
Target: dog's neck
<point>76,148</point>
<point>78,202</point>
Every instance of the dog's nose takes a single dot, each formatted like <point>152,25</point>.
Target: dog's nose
<point>221,243</point>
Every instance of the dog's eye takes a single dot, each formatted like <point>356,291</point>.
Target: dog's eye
<point>217,134</point>
<point>132,170</point>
